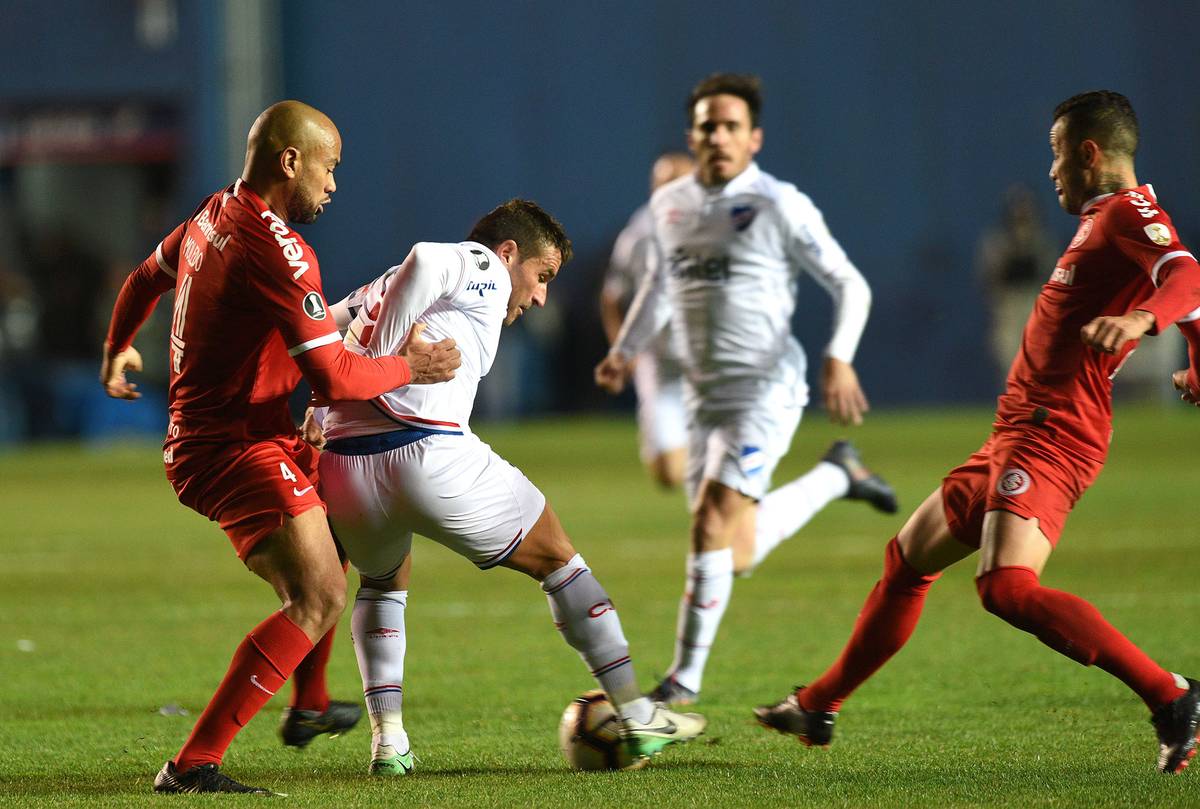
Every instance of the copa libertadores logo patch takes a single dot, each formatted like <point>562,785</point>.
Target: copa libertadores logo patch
<point>314,307</point>
<point>1013,482</point>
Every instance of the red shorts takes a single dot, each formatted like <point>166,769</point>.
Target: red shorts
<point>1021,471</point>
<point>247,488</point>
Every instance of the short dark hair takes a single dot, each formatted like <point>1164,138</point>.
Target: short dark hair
<point>526,223</point>
<point>745,86</point>
<point>1103,116</point>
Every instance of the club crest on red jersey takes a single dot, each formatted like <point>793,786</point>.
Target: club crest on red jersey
<point>1085,230</point>
<point>314,307</point>
<point>1012,482</point>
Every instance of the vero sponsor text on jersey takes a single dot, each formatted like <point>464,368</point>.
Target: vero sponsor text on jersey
<point>292,251</point>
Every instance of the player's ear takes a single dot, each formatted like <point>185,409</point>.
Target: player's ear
<point>1089,153</point>
<point>756,140</point>
<point>289,161</point>
<point>509,252</point>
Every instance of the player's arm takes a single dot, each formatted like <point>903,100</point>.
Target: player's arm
<point>430,272</point>
<point>1152,244</point>
<point>813,247</point>
<point>1187,381</point>
<point>647,316</point>
<point>300,313</point>
<point>136,300</point>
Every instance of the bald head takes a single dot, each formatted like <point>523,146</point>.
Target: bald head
<point>670,166</point>
<point>288,123</point>
<point>291,152</point>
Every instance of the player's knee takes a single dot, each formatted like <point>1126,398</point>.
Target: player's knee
<point>321,601</point>
<point>1002,591</point>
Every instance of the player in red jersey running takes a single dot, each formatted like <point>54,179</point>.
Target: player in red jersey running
<point>1124,275</point>
<point>249,321</point>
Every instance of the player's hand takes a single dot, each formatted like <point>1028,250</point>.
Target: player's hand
<point>112,373</point>
<point>1189,392</point>
<point>311,430</point>
<point>844,397</point>
<point>612,373</point>
<point>429,362</point>
<point>1110,334</point>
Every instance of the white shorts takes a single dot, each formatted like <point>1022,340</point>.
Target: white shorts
<point>739,445</point>
<point>661,417</point>
<point>451,488</point>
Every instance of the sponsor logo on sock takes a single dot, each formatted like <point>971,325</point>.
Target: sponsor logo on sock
<point>706,605</point>
<point>254,682</point>
<point>600,608</point>
<point>384,632</point>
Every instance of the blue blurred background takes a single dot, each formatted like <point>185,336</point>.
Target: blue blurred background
<point>908,124</point>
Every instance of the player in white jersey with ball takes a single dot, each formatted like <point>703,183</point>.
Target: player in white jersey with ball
<point>732,241</point>
<point>407,463</point>
<point>657,377</point>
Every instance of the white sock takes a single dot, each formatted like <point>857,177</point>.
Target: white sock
<point>377,626</point>
<point>588,621</point>
<point>786,510</point>
<point>709,584</point>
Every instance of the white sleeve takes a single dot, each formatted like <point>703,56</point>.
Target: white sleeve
<point>650,310</point>
<point>431,272</point>
<point>813,248</point>
<point>620,280</point>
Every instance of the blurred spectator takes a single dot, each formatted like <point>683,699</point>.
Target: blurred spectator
<point>1016,256</point>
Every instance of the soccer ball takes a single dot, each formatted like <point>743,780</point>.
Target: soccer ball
<point>589,734</point>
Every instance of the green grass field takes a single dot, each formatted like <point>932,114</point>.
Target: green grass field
<point>117,601</point>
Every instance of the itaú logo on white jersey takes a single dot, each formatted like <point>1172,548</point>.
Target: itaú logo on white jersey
<point>481,287</point>
<point>292,251</point>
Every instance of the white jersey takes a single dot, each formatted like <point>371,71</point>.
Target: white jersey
<point>728,264</point>
<point>458,291</point>
<point>633,254</point>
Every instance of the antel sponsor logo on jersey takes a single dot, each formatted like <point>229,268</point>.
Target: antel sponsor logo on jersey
<point>698,268</point>
<point>292,251</point>
<point>742,216</point>
<point>481,286</point>
<point>1014,481</point>
<point>314,307</point>
<point>1085,230</point>
<point>1064,275</point>
<point>481,259</point>
<point>1159,233</point>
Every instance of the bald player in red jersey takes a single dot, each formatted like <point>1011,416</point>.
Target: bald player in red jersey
<point>1124,275</point>
<point>249,320</point>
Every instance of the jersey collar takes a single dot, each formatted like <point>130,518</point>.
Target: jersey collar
<point>738,184</point>
<point>1147,189</point>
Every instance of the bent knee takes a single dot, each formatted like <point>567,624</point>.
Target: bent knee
<point>1003,590</point>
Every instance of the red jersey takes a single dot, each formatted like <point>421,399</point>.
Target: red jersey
<point>249,317</point>
<point>1126,255</point>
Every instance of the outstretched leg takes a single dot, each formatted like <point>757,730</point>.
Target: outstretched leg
<point>912,562</point>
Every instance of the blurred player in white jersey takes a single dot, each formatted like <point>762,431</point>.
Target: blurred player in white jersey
<point>657,377</point>
<point>731,242</point>
<point>404,464</point>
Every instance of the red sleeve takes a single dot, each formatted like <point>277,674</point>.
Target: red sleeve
<point>286,278</point>
<point>1143,233</point>
<point>142,289</point>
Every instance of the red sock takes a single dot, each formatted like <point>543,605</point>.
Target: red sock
<point>885,624</point>
<point>308,680</point>
<point>1073,627</point>
<point>260,667</point>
